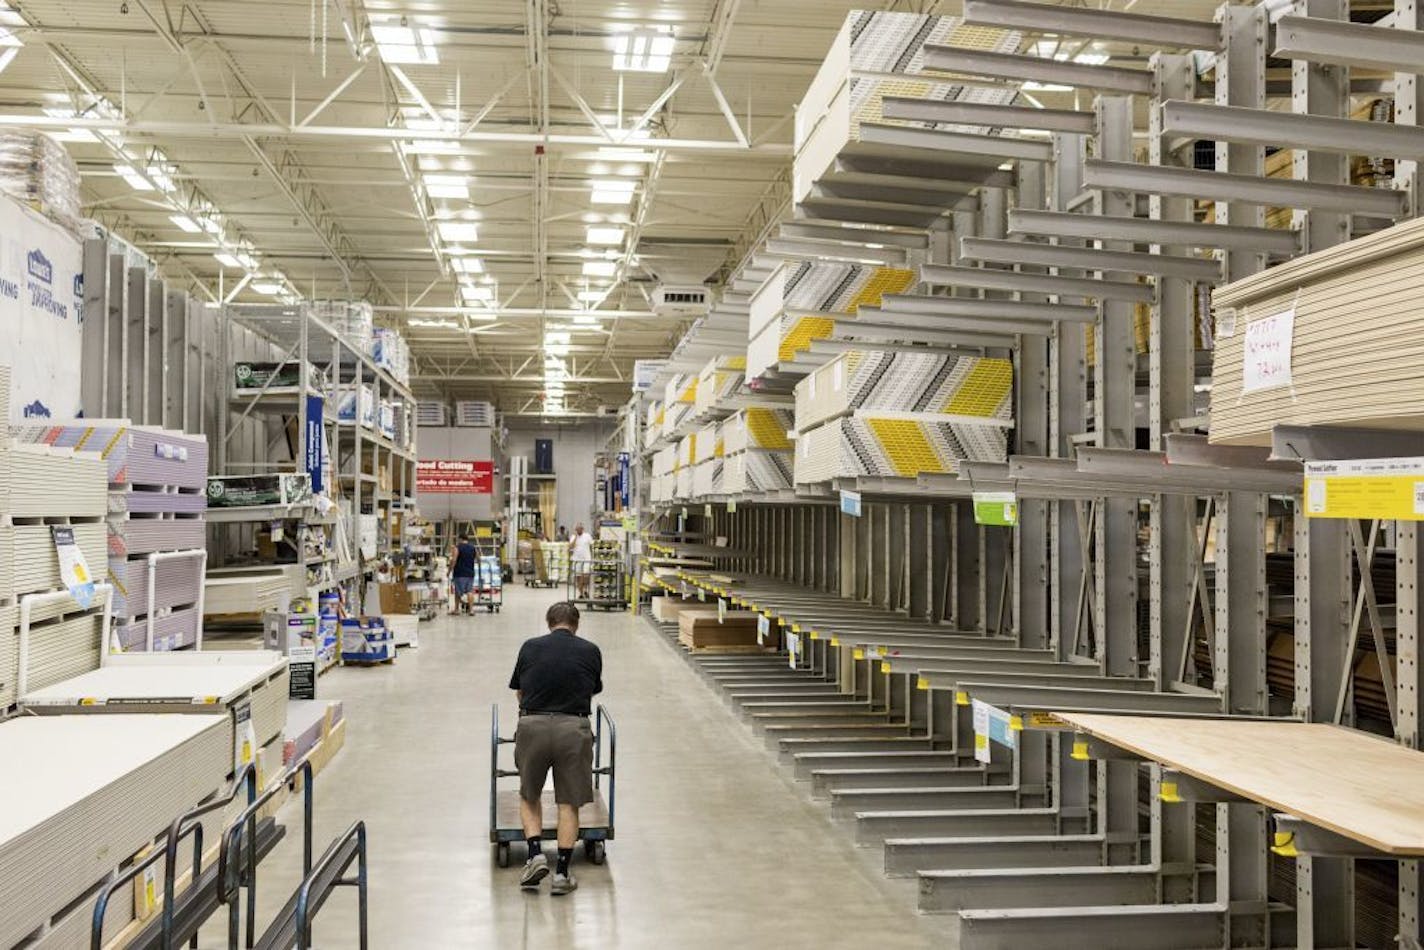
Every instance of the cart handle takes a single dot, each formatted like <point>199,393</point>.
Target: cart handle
<point>603,718</point>
<point>494,763</point>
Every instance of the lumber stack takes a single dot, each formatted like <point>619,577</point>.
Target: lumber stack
<point>699,629</point>
<point>1354,352</point>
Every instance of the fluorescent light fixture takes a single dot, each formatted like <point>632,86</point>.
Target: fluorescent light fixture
<point>468,265</point>
<point>457,231</point>
<point>419,322</point>
<point>599,268</point>
<point>613,191</point>
<point>159,175</point>
<point>646,50</point>
<point>238,261</point>
<point>588,320</point>
<point>269,287</point>
<point>604,236</point>
<point>555,337</point>
<point>9,43</point>
<point>130,174</point>
<point>64,112</point>
<point>448,186</point>
<point>399,42</point>
<point>477,294</point>
<point>592,296</point>
<point>185,223</point>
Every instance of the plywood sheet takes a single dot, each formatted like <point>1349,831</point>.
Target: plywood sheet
<point>1347,781</point>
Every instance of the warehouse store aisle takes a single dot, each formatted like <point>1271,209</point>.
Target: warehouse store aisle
<point>716,846</point>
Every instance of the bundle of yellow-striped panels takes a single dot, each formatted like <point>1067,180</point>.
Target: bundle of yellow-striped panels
<point>896,446</point>
<point>757,428</point>
<point>900,382</point>
<point>756,470</point>
<point>721,377</point>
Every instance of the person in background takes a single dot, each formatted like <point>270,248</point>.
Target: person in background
<point>563,533</point>
<point>555,679</point>
<point>581,559</point>
<point>463,557</point>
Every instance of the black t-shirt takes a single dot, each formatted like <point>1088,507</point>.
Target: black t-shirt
<point>464,560</point>
<point>558,673</point>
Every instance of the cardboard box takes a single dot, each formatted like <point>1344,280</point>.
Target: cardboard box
<point>396,599</point>
<point>699,628</point>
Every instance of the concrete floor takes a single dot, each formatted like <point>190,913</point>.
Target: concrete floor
<point>716,845</point>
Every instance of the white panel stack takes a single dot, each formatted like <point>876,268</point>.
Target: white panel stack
<point>756,470</point>
<point>155,482</point>
<point>84,793</point>
<point>1337,333</point>
<point>708,478</point>
<point>720,378</point>
<point>664,473</point>
<point>679,398</point>
<point>756,449</point>
<point>474,414</point>
<point>885,445</point>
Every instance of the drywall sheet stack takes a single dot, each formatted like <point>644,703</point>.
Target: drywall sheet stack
<point>682,488</point>
<point>679,399</point>
<point>709,444</point>
<point>891,446</point>
<point>664,473</point>
<point>1331,338</point>
<point>720,378</point>
<point>249,592</point>
<point>63,643</point>
<point>757,428</point>
<point>157,482</point>
<point>687,451</point>
<point>801,300</point>
<point>708,478</point>
<point>70,819</point>
<point>922,383</point>
<point>756,470</point>
<point>840,125</point>
<point>45,482</point>
<point>244,686</point>
<point>29,563</point>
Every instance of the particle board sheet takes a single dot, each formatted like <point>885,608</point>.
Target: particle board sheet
<point>757,428</point>
<point>757,470</point>
<point>172,630</point>
<point>245,594</point>
<point>29,563</point>
<point>708,478</point>
<point>700,628</point>
<point>1356,354</point>
<point>206,682</point>
<point>896,446</point>
<point>60,648</point>
<point>70,819</point>
<point>134,535</point>
<point>45,482</point>
<point>133,455</point>
<point>905,382</point>
<point>1350,782</point>
<point>177,582</point>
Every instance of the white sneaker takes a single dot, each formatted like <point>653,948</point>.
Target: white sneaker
<point>535,870</point>
<point>563,884</point>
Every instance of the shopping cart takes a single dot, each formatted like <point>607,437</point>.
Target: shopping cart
<point>489,584</point>
<point>595,818</point>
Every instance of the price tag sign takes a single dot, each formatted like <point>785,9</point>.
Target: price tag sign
<point>685,595</point>
<point>1383,489</point>
<point>850,503</point>
<point>721,610</point>
<point>72,568</point>
<point>731,507</point>
<point>996,508</point>
<point>702,595</point>
<point>763,628</point>
<point>793,647</point>
<point>1266,363</point>
<point>707,511</point>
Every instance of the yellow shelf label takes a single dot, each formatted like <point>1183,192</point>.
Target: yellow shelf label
<point>1386,489</point>
<point>857,654</point>
<point>885,666</point>
<point>795,628</point>
<point>921,682</point>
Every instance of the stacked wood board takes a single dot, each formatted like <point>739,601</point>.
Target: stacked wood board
<point>720,378</point>
<point>887,445</point>
<point>667,609</point>
<point>700,629</point>
<point>800,301</point>
<point>928,383</point>
<point>70,819</point>
<point>1334,336</point>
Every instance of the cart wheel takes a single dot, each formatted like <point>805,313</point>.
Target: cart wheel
<point>501,854</point>
<point>594,851</point>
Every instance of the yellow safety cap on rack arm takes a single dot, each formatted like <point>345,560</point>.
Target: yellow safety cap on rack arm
<point>858,653</point>
<point>885,666</point>
<point>1169,793</point>
<point>1080,749</point>
<point>1283,844</point>
<point>835,642</point>
<point>815,635</point>
<point>921,683</point>
<point>961,698</point>
<point>1016,723</point>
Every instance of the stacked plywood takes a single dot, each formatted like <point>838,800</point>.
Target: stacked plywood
<point>801,300</point>
<point>700,629</point>
<point>1353,347</point>
<point>902,446</point>
<point>70,819</point>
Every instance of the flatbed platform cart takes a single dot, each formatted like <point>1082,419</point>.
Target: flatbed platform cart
<point>595,818</point>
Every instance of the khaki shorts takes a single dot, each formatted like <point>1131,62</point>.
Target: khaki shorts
<point>563,743</point>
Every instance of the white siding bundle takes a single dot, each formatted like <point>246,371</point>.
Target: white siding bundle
<point>756,470</point>
<point>1352,347</point>
<point>890,446</point>
<point>72,818</point>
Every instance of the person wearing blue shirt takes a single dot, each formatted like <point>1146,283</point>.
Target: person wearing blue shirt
<point>463,557</point>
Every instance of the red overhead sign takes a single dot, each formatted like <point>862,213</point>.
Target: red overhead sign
<point>454,477</point>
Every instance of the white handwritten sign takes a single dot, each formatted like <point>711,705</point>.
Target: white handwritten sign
<point>1267,361</point>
